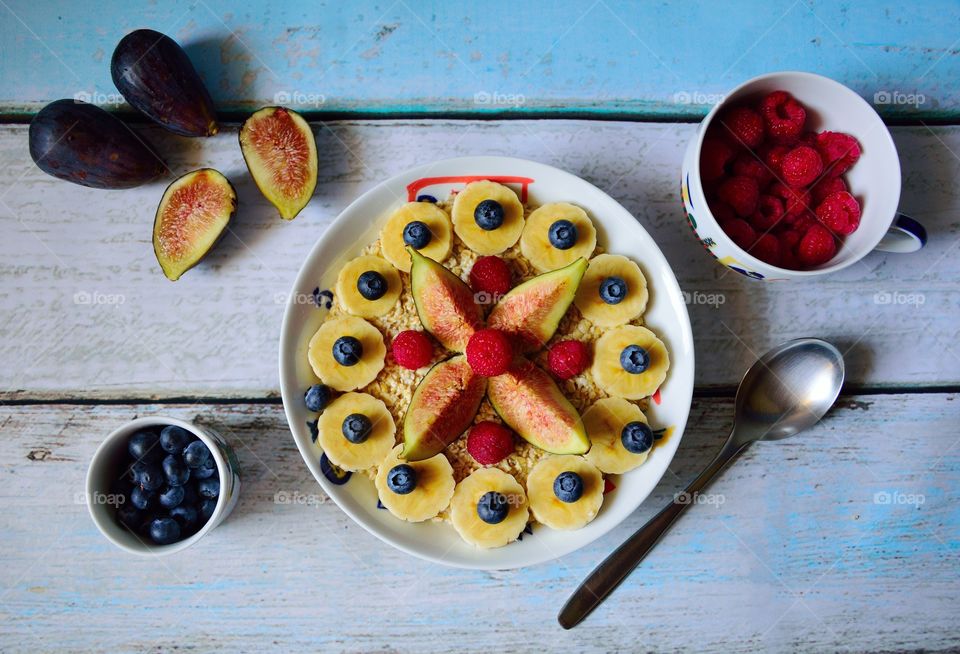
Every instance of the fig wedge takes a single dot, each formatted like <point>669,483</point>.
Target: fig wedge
<point>192,216</point>
<point>281,154</point>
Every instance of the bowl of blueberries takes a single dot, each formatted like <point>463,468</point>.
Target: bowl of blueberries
<point>156,485</point>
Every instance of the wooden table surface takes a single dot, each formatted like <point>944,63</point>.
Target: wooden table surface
<point>843,539</point>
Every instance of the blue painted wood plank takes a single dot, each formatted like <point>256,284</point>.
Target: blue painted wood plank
<point>598,58</point>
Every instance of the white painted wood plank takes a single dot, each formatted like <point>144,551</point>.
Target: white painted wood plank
<point>798,556</point>
<point>214,333</point>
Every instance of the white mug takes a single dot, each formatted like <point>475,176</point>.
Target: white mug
<point>874,180</point>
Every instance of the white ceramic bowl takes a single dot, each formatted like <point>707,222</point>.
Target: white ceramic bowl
<point>874,179</point>
<point>618,232</point>
<point>110,460</point>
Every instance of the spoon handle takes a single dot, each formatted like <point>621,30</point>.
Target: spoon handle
<point>616,567</point>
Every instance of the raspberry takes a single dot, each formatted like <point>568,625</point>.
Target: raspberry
<point>784,117</point>
<point>741,193</point>
<point>568,359</point>
<point>801,222</point>
<point>801,166</point>
<point>816,247</point>
<point>826,186</point>
<point>742,127</point>
<point>767,248</point>
<point>412,349</point>
<point>773,156</point>
<point>840,212</point>
<point>491,276</point>
<point>795,201</point>
<point>768,214</point>
<point>489,352</point>
<point>714,156</point>
<point>740,232</point>
<point>722,212</point>
<point>489,442</point>
<point>749,165</point>
<point>838,151</point>
<point>789,238</point>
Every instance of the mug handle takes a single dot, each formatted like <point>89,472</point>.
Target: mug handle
<point>904,235</point>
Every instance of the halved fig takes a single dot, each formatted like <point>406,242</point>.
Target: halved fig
<point>155,76</point>
<point>192,215</point>
<point>443,406</point>
<point>281,154</point>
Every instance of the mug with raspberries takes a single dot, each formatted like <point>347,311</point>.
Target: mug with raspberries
<point>794,175</point>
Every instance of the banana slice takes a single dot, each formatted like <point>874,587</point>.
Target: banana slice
<point>346,377</point>
<point>438,226</point>
<point>610,373</point>
<point>506,207</point>
<point>535,243</point>
<point>604,421</point>
<point>465,510</point>
<point>366,438</point>
<point>432,491</point>
<point>547,506</point>
<point>613,291</point>
<point>351,286</point>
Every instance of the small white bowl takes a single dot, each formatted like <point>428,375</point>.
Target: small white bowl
<point>111,458</point>
<point>617,231</point>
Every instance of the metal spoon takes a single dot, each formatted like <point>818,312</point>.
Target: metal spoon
<point>788,390</point>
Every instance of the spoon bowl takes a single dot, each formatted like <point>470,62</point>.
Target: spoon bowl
<point>788,390</point>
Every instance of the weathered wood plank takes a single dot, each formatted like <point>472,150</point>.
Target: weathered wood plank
<point>601,58</point>
<point>795,551</point>
<point>86,312</point>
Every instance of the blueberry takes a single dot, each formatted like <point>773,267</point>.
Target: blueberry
<point>634,359</point>
<point>151,477</point>
<point>563,234</point>
<point>488,215</point>
<point>186,514</point>
<point>371,285</point>
<point>196,454</point>
<point>205,471</point>
<point>175,470</point>
<point>356,428</point>
<point>139,498</point>
<point>171,496</point>
<point>144,528</point>
<point>206,510</point>
<point>317,397</point>
<point>145,446</point>
<point>129,516</point>
<point>164,531</point>
<point>637,437</point>
<point>416,234</point>
<point>135,472</point>
<point>613,290</point>
<point>493,508</point>
<point>173,439</point>
<point>568,486</point>
<point>190,495</point>
<point>402,479</point>
<point>347,351</point>
<point>426,198</point>
<point>209,488</point>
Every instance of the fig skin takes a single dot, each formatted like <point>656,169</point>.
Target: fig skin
<point>155,76</point>
<point>83,144</point>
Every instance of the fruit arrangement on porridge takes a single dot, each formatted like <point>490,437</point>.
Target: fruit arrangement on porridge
<point>776,187</point>
<point>486,365</point>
